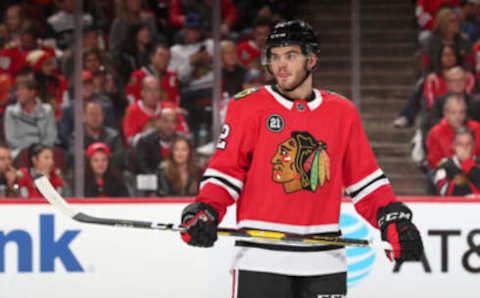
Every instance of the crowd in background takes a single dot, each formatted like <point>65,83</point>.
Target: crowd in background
<point>147,90</point>
<point>446,97</point>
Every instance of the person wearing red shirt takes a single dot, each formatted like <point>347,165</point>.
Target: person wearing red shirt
<point>440,138</point>
<point>40,158</point>
<point>13,55</point>
<point>140,116</point>
<point>53,86</point>
<point>460,174</point>
<point>180,8</point>
<point>159,60</point>
<point>249,51</point>
<point>102,178</point>
<point>426,10</point>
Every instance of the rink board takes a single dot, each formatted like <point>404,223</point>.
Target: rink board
<point>44,254</point>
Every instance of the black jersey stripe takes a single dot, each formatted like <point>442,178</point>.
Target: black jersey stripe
<point>355,193</point>
<point>279,247</point>
<point>230,185</point>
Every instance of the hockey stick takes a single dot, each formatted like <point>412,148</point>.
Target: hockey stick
<point>50,194</point>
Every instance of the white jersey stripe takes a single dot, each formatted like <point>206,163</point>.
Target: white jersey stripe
<point>263,225</point>
<point>290,262</point>
<point>234,181</point>
<point>233,193</point>
<point>369,189</point>
<point>353,188</point>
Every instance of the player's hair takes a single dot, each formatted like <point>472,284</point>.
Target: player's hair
<point>262,22</point>
<point>157,46</point>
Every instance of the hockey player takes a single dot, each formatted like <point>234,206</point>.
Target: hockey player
<point>283,156</point>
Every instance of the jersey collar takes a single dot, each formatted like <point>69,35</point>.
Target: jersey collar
<point>288,102</point>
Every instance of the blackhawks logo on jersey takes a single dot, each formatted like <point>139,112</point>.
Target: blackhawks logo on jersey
<point>301,162</point>
<point>245,93</point>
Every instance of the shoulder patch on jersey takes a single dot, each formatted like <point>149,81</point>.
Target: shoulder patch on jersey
<point>133,81</point>
<point>336,94</point>
<point>245,93</point>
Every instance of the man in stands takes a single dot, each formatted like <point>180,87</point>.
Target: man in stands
<point>141,115</point>
<point>249,51</point>
<point>459,175</point>
<point>159,60</point>
<point>153,147</point>
<point>440,138</point>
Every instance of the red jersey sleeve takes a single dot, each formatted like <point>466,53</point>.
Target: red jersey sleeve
<point>224,178</point>
<point>364,181</point>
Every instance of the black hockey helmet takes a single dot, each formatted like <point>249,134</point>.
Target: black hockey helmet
<point>294,32</point>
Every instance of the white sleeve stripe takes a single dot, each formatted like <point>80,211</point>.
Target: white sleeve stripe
<point>443,190</point>
<point>233,193</point>
<point>369,189</point>
<point>353,188</point>
<point>234,181</point>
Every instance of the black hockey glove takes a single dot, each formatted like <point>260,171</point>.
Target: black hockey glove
<point>395,224</point>
<point>200,221</point>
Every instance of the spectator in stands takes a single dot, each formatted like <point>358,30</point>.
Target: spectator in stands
<point>435,84</point>
<point>153,147</point>
<point>249,51</point>
<point>128,13</point>
<point>455,79</point>
<point>14,21</point>
<point>8,174</point>
<point>179,10</point>
<point>62,23</point>
<point>53,86</point>
<point>96,131</point>
<point>40,158</point>
<point>6,98</point>
<point>29,121</point>
<point>13,55</point>
<point>95,57</point>
<point>66,124</point>
<point>440,138</point>
<point>136,50</point>
<point>159,61</point>
<point>179,175</point>
<point>141,115</point>
<point>255,78</point>
<point>459,175</point>
<point>232,73</point>
<point>192,61</point>
<point>447,32</point>
<point>426,12</point>
<point>469,25</point>
<point>102,179</point>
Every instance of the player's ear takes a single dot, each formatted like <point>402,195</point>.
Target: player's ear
<point>312,61</point>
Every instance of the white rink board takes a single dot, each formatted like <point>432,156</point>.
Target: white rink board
<point>120,262</point>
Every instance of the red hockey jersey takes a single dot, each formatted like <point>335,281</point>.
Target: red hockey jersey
<point>27,188</point>
<point>138,119</point>
<point>168,82</point>
<point>285,164</point>
<point>249,54</point>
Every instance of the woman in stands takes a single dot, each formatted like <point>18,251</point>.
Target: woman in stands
<point>435,83</point>
<point>102,179</point>
<point>179,175</point>
<point>40,161</point>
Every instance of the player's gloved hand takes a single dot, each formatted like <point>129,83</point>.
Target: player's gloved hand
<point>396,227</point>
<point>200,221</point>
